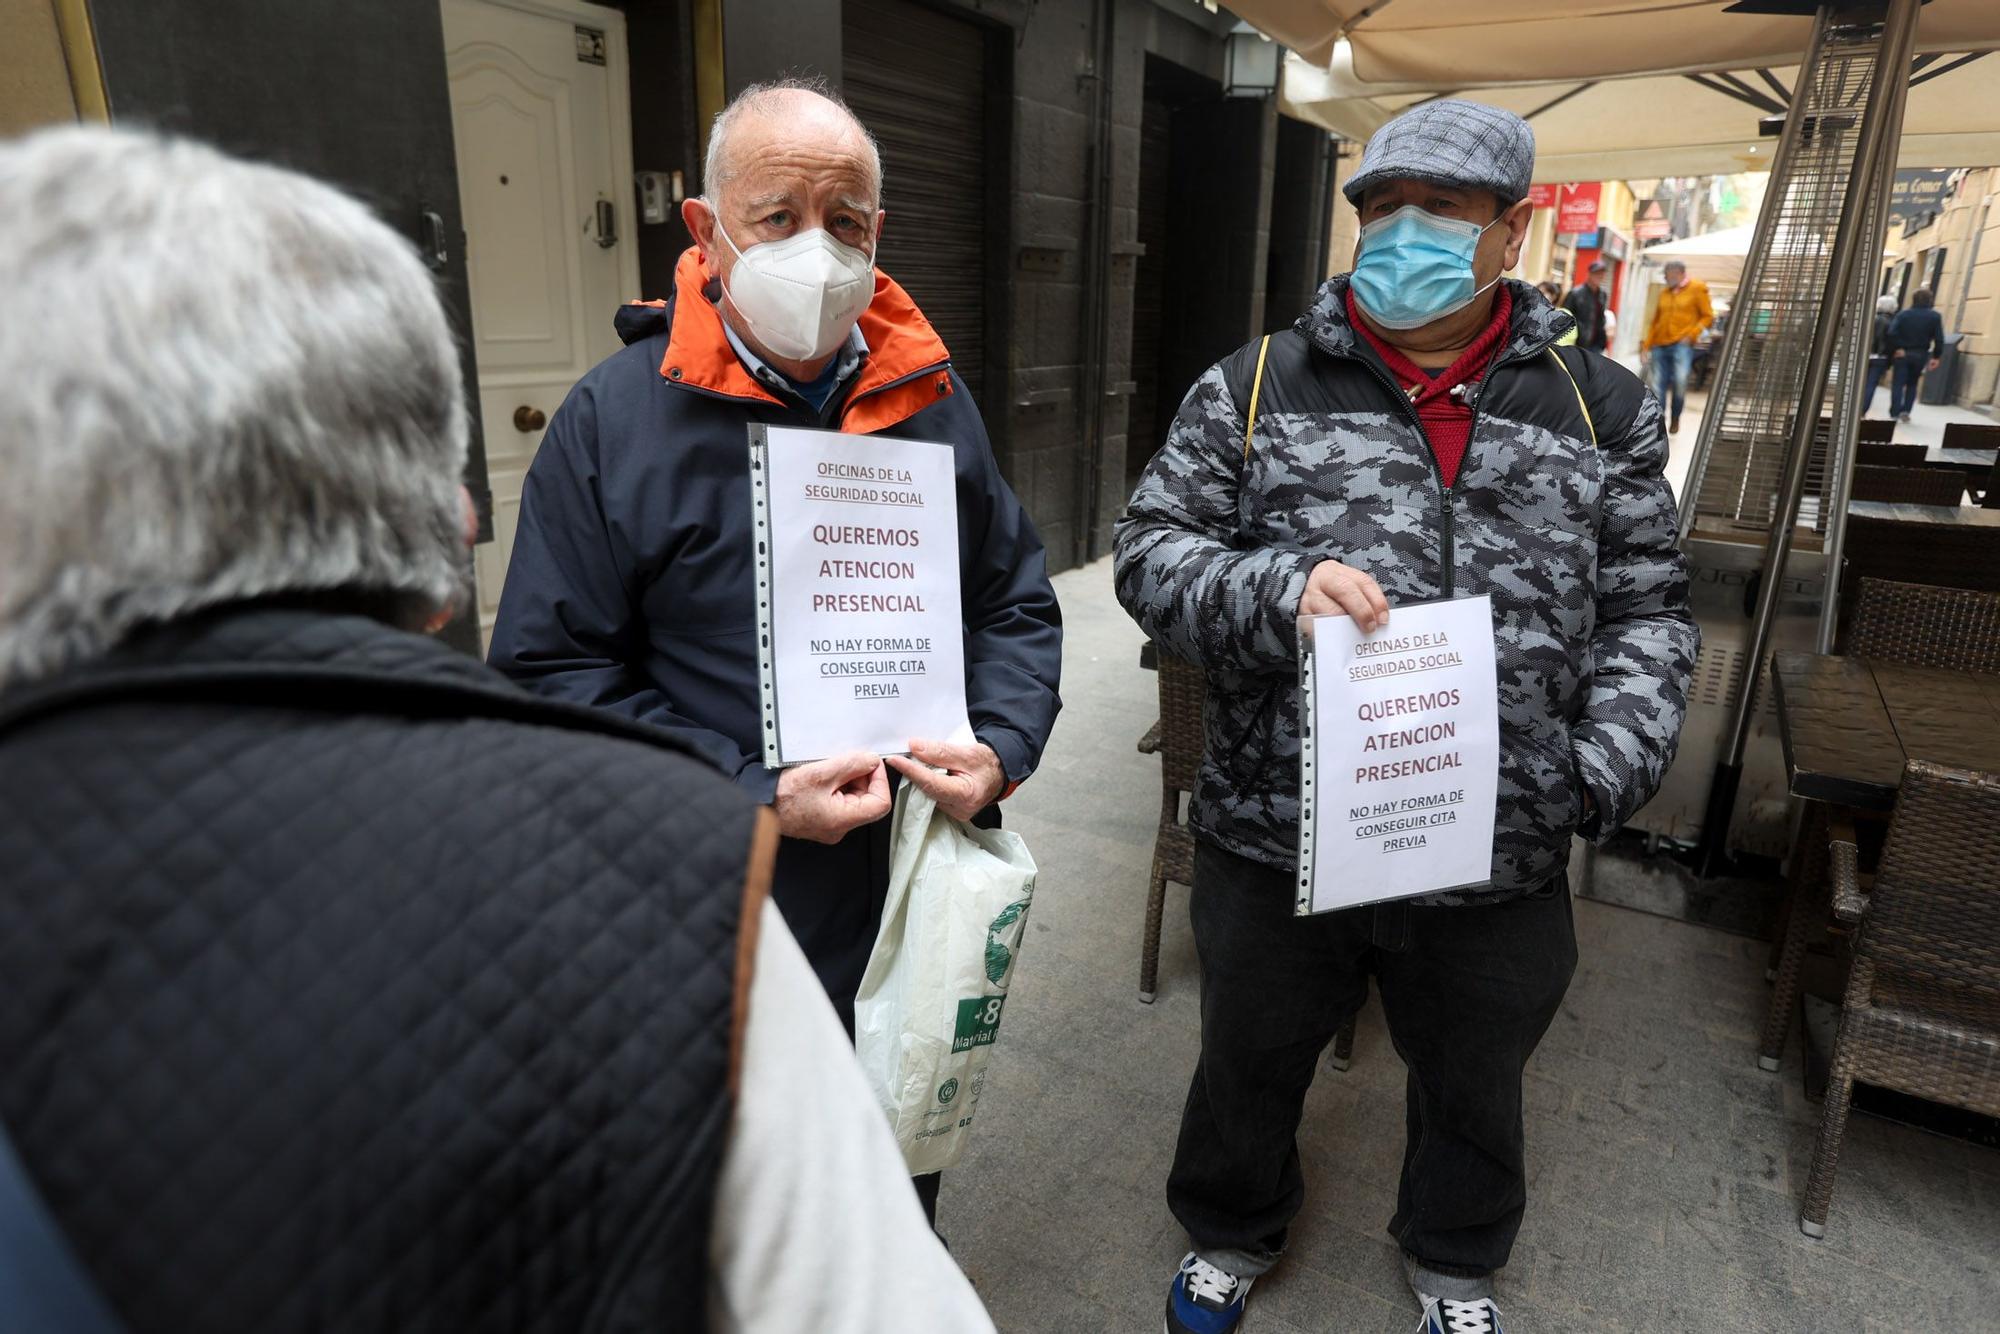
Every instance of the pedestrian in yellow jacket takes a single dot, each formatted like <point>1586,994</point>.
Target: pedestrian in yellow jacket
<point>1678,320</point>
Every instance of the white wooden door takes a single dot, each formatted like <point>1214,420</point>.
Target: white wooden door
<point>539,112</point>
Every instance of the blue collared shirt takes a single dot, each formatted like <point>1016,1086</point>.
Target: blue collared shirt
<point>816,393</point>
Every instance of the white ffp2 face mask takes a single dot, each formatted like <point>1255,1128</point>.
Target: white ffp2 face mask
<point>801,295</point>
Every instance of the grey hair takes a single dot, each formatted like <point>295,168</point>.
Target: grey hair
<point>717,171</point>
<point>1885,304</point>
<point>228,381</point>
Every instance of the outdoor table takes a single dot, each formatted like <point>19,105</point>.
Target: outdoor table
<point>1848,724</point>
<point>1981,459</point>
<point>1969,516</point>
<point>1976,464</point>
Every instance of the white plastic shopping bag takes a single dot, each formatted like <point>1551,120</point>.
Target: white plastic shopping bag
<point>929,1005</point>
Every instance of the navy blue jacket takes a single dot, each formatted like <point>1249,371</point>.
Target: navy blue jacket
<point>631,589</point>
<point>1918,329</point>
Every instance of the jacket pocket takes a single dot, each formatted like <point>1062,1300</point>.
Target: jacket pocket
<point>1241,746</point>
<point>1557,761</point>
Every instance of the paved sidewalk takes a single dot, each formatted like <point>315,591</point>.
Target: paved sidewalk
<point>1666,1168</point>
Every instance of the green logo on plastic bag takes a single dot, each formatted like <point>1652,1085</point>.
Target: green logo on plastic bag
<point>998,957</point>
<point>947,1090</point>
<point>978,1022</point>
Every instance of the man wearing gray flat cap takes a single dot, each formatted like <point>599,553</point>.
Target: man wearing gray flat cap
<point>1418,434</point>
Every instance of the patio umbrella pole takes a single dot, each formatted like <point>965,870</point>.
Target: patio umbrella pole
<point>1885,96</point>
<point>1844,446</point>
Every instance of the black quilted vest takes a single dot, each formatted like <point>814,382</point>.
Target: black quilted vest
<point>344,987</point>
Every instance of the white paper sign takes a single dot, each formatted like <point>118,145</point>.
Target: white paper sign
<point>1400,756</point>
<point>860,641</point>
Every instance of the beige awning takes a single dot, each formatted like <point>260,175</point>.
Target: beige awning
<point>1438,45</point>
<point>1715,257</point>
<point>1669,125</point>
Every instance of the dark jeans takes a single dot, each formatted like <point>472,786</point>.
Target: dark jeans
<point>1467,993</point>
<point>1877,368</point>
<point>1903,392</point>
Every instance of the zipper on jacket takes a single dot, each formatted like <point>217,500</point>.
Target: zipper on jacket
<point>1471,434</point>
<point>1447,495</point>
<point>1447,510</point>
<point>901,380</point>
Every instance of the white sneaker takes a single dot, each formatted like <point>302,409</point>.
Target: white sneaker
<point>1204,1299</point>
<point>1444,1316</point>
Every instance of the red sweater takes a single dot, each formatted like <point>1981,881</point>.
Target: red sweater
<point>1445,417</point>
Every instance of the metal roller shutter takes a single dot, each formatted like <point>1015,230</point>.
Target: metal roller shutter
<point>917,79</point>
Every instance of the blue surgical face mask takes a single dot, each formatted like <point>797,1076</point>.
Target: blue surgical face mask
<point>1416,267</point>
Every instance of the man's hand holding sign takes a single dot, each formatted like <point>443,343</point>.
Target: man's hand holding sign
<point>1401,753</point>
<point>823,800</point>
<point>962,779</point>
<point>1333,589</point>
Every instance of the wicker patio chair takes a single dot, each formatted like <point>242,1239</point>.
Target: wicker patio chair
<point>1917,624</point>
<point>1918,553</point>
<point>1870,454</point>
<point>1971,435</point>
<point>1924,625</point>
<point>1177,738</point>
<point>1872,431</point>
<point>1909,486</point>
<point>1922,1010</point>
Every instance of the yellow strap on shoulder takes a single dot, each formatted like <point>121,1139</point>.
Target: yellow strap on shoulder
<point>1256,388</point>
<point>1584,407</point>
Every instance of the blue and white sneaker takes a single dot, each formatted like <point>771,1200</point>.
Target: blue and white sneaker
<point>1444,1316</point>
<point>1204,1299</point>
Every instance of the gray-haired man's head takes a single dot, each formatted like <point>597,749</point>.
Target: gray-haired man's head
<point>784,159</point>
<point>793,108</point>
<point>226,382</point>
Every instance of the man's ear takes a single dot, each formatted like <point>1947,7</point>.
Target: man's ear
<point>1515,219</point>
<point>700,222</point>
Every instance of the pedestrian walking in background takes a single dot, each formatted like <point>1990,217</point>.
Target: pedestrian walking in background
<point>1881,352</point>
<point>1550,292</point>
<point>1916,341</point>
<point>347,986</point>
<point>1367,479</point>
<point>1684,311</point>
<point>1588,303</point>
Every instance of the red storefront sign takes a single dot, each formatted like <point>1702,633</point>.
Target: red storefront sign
<point>1576,206</point>
<point>1542,196</point>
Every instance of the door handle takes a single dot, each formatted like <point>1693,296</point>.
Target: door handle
<point>529,419</point>
<point>607,224</point>
<point>431,240</point>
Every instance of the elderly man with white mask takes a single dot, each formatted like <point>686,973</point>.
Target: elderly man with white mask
<point>631,586</point>
<point>347,986</point>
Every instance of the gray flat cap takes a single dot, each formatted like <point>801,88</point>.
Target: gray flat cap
<point>1451,142</point>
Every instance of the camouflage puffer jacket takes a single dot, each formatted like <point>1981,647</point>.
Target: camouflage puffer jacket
<point>1574,540</point>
